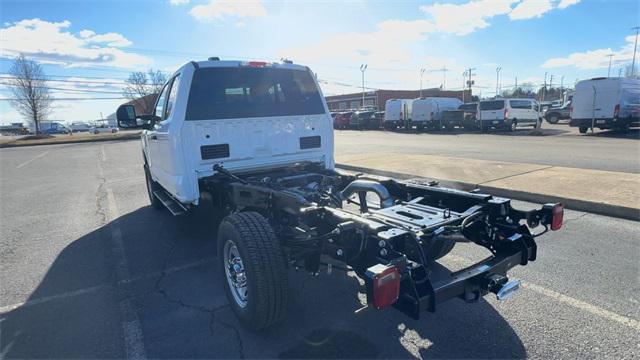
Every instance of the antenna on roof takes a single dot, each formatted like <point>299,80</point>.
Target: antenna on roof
<point>286,61</point>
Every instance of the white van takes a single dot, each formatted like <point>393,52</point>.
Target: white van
<point>509,114</point>
<point>427,112</point>
<point>397,112</point>
<point>606,103</point>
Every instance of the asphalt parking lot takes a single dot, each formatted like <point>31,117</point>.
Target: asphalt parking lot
<point>89,270</point>
<point>558,145</point>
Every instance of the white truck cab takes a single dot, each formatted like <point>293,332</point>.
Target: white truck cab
<point>243,115</point>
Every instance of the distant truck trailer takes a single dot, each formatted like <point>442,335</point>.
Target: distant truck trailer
<point>606,103</point>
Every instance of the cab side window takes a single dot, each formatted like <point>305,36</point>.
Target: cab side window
<point>173,95</point>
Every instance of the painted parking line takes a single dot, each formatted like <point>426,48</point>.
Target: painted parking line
<point>34,158</point>
<point>568,300</point>
<point>92,289</point>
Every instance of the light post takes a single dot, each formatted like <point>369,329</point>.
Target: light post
<point>422,71</point>
<point>498,80</point>
<point>363,68</point>
<point>610,56</point>
<point>464,83</point>
<point>635,46</point>
<point>544,88</point>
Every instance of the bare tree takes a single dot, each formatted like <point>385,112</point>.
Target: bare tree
<point>143,88</point>
<point>31,96</point>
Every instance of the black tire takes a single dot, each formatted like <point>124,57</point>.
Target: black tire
<point>553,119</point>
<point>151,187</point>
<point>264,268</point>
<point>513,125</point>
<point>583,129</point>
<point>449,126</point>
<point>624,128</point>
<point>439,249</point>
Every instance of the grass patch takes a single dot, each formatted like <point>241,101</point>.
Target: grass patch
<point>69,139</point>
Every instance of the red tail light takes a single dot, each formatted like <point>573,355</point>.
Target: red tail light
<point>557,215</point>
<point>383,285</point>
<point>257,63</point>
<point>506,114</point>
<point>616,111</point>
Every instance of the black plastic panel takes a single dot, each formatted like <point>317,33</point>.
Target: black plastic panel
<point>217,151</point>
<point>310,142</point>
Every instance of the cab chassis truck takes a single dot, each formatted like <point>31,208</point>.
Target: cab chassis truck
<point>288,206</point>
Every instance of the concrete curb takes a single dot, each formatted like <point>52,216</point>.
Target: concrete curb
<point>622,212</point>
<point>71,141</point>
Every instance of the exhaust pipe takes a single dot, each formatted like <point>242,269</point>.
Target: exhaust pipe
<point>363,186</point>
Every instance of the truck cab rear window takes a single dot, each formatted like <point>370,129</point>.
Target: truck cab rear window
<point>492,105</point>
<point>231,93</point>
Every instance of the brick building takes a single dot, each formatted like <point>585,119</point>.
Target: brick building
<point>378,98</point>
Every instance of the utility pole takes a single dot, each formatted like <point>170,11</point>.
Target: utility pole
<point>515,89</point>
<point>363,68</point>
<point>544,88</point>
<point>464,76</point>
<point>610,56</point>
<point>562,83</point>
<point>635,46</point>
<point>498,80</point>
<point>421,73</point>
<point>469,82</point>
<point>620,72</point>
<point>444,77</point>
<point>551,83</point>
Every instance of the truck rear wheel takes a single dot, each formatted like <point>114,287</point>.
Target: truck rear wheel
<point>553,119</point>
<point>254,268</point>
<point>583,129</point>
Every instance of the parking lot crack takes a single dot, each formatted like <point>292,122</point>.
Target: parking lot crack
<point>215,319</point>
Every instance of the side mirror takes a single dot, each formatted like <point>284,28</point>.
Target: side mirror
<point>126,116</point>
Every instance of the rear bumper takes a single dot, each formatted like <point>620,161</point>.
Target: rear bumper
<point>494,123</point>
<point>607,123</point>
<point>420,292</point>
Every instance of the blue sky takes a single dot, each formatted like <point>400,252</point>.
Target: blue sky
<point>91,46</point>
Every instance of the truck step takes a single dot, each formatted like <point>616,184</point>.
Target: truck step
<point>170,203</point>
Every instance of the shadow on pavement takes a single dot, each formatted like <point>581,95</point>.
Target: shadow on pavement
<point>176,292</point>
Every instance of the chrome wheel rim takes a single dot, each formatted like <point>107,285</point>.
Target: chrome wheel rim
<point>513,125</point>
<point>235,273</point>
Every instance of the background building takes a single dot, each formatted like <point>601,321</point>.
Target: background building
<point>378,98</point>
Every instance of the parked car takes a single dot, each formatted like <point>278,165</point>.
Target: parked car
<point>555,114</point>
<point>427,112</point>
<point>606,103</point>
<point>103,129</point>
<point>342,120</point>
<point>79,127</point>
<point>509,114</point>
<point>53,128</point>
<point>397,113</point>
<point>363,120</point>
<point>380,118</point>
<point>463,117</point>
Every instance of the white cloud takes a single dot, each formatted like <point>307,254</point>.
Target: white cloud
<point>594,59</point>
<point>566,3</point>
<point>178,2</point>
<point>52,42</point>
<point>220,9</point>
<point>462,19</point>
<point>529,9</point>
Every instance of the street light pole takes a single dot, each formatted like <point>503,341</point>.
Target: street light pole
<point>635,46</point>
<point>610,56</point>
<point>497,80</point>
<point>544,88</point>
<point>421,73</point>
<point>363,68</point>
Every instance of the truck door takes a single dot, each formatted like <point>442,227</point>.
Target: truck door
<point>151,136</point>
<point>164,157</point>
